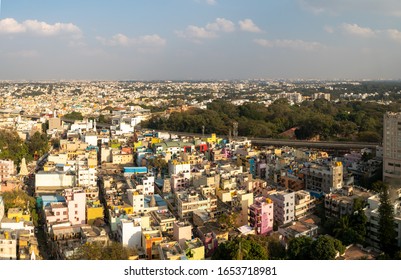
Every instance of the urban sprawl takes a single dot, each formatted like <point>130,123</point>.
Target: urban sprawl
<point>83,177</point>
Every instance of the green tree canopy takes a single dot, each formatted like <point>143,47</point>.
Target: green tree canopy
<point>299,248</point>
<point>96,251</point>
<point>74,116</point>
<point>240,248</point>
<point>12,147</point>
<point>38,143</point>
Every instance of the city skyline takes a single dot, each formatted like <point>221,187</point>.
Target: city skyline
<point>199,39</point>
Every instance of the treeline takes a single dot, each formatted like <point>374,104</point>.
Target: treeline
<point>270,248</point>
<point>342,121</point>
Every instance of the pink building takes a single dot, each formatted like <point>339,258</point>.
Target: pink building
<point>6,169</point>
<point>261,215</point>
<point>179,182</point>
<point>76,202</point>
<point>56,212</point>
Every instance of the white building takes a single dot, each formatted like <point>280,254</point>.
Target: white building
<point>373,216</point>
<point>58,158</point>
<point>129,231</point>
<point>8,245</point>
<point>137,200</point>
<point>53,181</point>
<point>13,224</point>
<point>179,167</point>
<point>284,206</point>
<point>90,137</point>
<point>87,176</point>
<point>144,184</point>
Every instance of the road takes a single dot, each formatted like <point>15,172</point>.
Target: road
<point>293,143</point>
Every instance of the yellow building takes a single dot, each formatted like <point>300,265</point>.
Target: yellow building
<point>155,140</point>
<point>18,214</point>
<point>213,139</point>
<point>137,145</point>
<point>92,159</point>
<point>194,249</point>
<point>93,212</point>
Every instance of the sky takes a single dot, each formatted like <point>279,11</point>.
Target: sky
<point>199,39</point>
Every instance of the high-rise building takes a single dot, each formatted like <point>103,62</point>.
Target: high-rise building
<point>392,149</point>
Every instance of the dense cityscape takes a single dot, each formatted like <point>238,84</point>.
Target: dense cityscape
<point>244,133</point>
<point>180,170</point>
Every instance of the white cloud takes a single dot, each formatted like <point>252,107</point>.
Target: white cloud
<point>196,33</point>
<point>193,32</point>
<point>125,41</point>
<point>11,26</point>
<point>249,26</point>
<point>394,34</point>
<point>221,24</point>
<point>290,44</point>
<point>357,30</point>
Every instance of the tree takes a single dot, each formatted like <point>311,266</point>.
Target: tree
<point>159,164</point>
<point>96,251</point>
<point>38,144</point>
<point>299,248</point>
<point>343,230</point>
<point>12,146</point>
<point>74,116</point>
<point>240,248</point>
<point>387,233</point>
<point>227,220</point>
<point>359,222</point>
<point>325,248</point>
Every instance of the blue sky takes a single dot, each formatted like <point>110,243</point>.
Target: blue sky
<point>199,39</point>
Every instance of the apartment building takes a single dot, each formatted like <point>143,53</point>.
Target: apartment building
<point>284,206</point>
<point>323,178</point>
<point>261,215</point>
<point>305,204</point>
<point>188,201</point>
<point>392,148</point>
